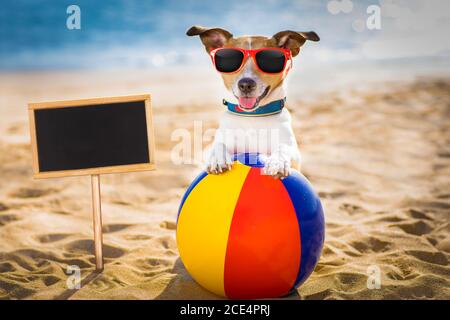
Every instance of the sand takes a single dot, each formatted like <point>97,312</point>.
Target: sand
<point>379,157</point>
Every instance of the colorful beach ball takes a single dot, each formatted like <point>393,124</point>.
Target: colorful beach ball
<point>246,235</point>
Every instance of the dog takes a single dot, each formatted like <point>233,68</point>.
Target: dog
<point>259,88</point>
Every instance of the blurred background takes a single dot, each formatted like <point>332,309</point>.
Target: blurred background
<point>413,34</point>
<point>370,107</point>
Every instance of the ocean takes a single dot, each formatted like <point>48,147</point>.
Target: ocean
<point>151,34</point>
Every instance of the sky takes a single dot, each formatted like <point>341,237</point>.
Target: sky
<point>151,34</point>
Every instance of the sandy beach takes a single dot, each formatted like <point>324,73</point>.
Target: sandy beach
<point>378,156</point>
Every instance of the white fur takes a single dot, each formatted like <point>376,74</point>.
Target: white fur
<point>271,136</point>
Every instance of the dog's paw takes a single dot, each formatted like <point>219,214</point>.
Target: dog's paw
<point>277,167</point>
<point>218,161</point>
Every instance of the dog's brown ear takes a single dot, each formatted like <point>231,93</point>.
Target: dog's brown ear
<point>211,37</point>
<point>293,40</point>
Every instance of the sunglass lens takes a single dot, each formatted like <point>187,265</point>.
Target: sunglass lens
<point>270,61</point>
<point>228,60</point>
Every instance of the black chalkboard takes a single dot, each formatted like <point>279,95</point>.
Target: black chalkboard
<point>91,136</point>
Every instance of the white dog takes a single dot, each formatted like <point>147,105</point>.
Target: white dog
<point>253,69</point>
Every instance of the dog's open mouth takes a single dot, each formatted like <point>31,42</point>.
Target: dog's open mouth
<point>251,103</point>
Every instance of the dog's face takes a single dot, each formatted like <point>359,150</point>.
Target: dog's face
<point>249,85</point>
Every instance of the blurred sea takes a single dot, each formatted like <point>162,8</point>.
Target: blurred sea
<point>151,34</point>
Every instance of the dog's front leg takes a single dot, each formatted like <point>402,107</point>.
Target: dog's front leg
<point>278,164</point>
<point>219,159</point>
<point>283,152</point>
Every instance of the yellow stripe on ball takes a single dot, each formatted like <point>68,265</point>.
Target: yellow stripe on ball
<point>202,238</point>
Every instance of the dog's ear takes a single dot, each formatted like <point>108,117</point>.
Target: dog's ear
<point>293,40</point>
<point>212,38</point>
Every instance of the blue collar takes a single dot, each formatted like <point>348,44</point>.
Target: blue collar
<point>266,110</point>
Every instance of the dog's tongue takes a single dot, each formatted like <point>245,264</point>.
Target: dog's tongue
<point>247,103</point>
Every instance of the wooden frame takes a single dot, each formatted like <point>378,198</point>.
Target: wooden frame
<point>92,102</point>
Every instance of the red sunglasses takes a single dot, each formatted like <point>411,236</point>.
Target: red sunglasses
<point>267,60</point>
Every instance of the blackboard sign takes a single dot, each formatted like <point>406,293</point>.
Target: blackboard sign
<point>91,136</point>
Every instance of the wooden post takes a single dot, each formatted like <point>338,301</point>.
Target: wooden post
<point>97,219</point>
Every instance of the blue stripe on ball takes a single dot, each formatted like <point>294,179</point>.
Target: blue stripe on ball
<point>311,222</point>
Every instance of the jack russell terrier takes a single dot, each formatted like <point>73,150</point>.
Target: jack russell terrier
<point>253,69</point>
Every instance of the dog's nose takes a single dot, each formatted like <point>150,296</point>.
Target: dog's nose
<point>246,85</point>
